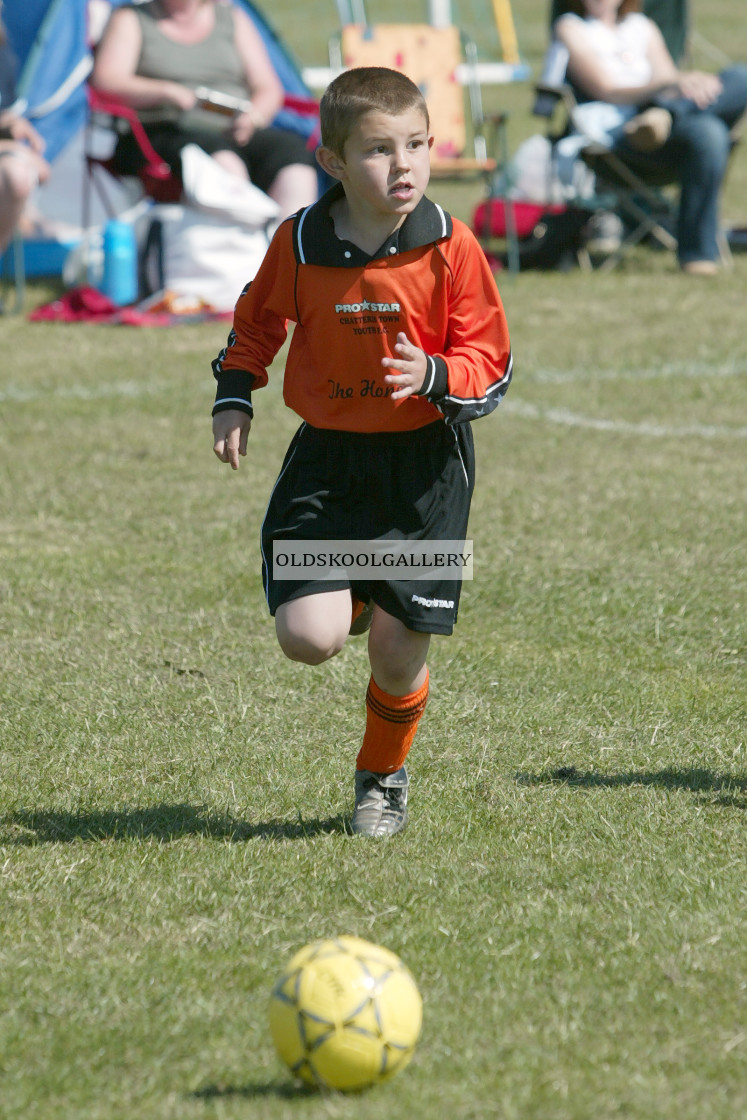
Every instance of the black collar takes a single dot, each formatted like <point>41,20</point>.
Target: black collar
<point>315,241</point>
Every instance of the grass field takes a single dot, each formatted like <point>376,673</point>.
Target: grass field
<point>570,894</point>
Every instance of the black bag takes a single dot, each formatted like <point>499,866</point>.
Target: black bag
<point>553,243</point>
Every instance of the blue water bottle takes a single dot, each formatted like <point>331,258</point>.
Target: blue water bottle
<point>119,281</point>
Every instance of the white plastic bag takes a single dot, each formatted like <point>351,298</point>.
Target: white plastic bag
<point>537,173</point>
<point>530,175</point>
<point>204,256</point>
<point>211,189</point>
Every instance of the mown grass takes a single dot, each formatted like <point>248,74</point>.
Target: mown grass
<point>570,892</point>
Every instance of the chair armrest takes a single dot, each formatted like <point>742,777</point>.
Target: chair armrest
<point>496,118</point>
<point>306,106</point>
<point>548,97</point>
<point>100,102</point>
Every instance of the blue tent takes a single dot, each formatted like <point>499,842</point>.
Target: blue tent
<point>49,40</point>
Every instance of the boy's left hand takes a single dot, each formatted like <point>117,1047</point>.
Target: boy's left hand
<point>230,434</point>
<point>412,366</point>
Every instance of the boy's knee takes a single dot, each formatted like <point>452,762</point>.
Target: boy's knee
<point>310,649</point>
<point>313,628</point>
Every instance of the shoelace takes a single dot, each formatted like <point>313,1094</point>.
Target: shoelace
<point>389,794</point>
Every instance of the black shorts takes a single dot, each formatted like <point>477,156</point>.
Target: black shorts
<point>269,150</point>
<point>368,486</point>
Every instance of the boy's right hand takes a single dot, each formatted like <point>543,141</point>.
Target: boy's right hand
<point>230,433</point>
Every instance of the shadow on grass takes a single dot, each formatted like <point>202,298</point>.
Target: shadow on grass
<point>728,790</point>
<point>160,822</point>
<point>283,1090</point>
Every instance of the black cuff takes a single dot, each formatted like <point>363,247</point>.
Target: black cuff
<point>234,391</point>
<point>436,383</point>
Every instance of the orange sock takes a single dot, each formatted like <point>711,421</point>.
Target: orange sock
<point>357,605</point>
<point>391,723</point>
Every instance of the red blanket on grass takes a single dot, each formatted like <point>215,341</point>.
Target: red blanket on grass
<point>88,305</point>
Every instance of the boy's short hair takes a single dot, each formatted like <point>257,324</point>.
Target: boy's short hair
<point>365,89</point>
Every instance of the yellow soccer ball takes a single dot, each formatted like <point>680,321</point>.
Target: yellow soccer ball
<point>345,1014</point>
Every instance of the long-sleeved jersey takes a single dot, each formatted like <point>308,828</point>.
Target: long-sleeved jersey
<point>430,280</point>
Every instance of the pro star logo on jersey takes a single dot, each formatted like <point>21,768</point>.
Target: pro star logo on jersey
<point>356,308</point>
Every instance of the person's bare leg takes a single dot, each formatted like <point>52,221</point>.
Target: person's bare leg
<point>18,177</point>
<point>293,188</point>
<point>397,655</point>
<point>232,162</point>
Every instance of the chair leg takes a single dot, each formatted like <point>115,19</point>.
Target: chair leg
<point>92,184</point>
<point>724,249</point>
<point>512,237</point>
<point>18,274</point>
<point>500,143</point>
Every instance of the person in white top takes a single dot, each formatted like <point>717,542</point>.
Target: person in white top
<point>678,119</point>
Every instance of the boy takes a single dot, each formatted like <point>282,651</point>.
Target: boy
<point>400,340</point>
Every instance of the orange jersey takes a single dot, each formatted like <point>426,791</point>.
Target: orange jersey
<point>430,280</point>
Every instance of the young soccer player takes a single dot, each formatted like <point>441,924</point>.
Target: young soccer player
<point>400,340</point>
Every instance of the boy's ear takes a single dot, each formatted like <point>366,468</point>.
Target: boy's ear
<point>330,162</point>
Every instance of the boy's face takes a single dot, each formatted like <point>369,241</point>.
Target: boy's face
<point>386,163</point>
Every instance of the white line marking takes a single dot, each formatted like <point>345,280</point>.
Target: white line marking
<point>735,368</point>
<point>20,394</point>
<point>646,428</point>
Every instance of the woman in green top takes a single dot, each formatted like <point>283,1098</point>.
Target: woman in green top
<point>156,56</point>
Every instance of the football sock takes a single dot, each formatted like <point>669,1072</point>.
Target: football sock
<point>391,723</point>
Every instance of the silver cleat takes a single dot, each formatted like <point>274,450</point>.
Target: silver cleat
<point>380,803</point>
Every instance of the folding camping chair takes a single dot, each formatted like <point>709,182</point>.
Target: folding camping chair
<point>442,61</point>
<point>638,198</point>
<point>156,179</point>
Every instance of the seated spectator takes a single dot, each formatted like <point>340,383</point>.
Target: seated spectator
<point>22,165</point>
<point>154,56</point>
<point>669,118</point>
